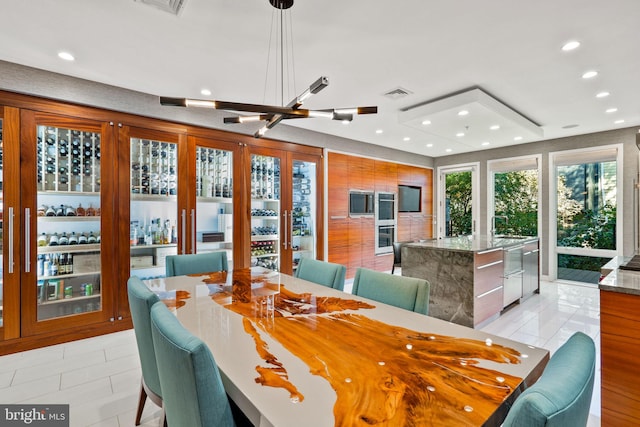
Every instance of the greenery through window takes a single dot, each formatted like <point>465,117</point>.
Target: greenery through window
<point>458,199</point>
<point>516,199</point>
<point>587,205</point>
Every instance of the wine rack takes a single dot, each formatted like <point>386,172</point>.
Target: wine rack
<point>214,173</point>
<point>265,177</point>
<point>68,160</point>
<point>303,211</point>
<point>265,211</point>
<point>154,166</point>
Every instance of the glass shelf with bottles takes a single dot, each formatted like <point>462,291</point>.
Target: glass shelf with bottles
<point>67,296</point>
<point>68,160</point>
<point>68,227</point>
<point>154,168</point>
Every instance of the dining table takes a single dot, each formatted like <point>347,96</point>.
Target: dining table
<point>291,352</point>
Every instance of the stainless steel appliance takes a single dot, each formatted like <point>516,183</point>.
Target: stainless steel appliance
<point>513,274</point>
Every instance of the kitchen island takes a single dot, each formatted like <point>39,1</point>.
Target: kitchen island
<point>474,278</point>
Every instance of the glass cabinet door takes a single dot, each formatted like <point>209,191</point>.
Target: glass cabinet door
<point>68,234</point>
<point>303,211</point>
<point>265,212</point>
<point>153,220</point>
<point>214,202</point>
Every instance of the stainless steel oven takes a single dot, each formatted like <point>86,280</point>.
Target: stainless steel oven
<point>386,221</point>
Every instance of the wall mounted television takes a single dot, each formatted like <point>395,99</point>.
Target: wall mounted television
<point>409,198</point>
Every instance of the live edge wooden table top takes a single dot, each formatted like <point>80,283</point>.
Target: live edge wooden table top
<point>294,353</point>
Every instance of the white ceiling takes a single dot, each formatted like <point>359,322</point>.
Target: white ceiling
<point>511,49</point>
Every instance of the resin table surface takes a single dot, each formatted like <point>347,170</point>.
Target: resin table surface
<point>294,353</point>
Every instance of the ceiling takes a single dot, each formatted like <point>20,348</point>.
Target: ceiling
<point>508,50</point>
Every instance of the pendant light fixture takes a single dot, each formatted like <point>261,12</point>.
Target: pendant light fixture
<point>272,114</point>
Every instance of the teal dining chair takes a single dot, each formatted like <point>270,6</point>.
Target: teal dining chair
<point>179,265</point>
<point>141,299</point>
<point>321,272</point>
<point>193,393</point>
<point>562,395</point>
<point>400,291</point>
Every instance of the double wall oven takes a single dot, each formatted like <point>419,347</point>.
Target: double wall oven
<point>386,214</point>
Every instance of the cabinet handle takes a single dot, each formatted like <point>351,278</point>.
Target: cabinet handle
<point>285,234</point>
<point>527,253</point>
<point>11,240</point>
<point>489,251</point>
<point>27,240</point>
<point>291,230</point>
<point>491,264</point>
<point>338,217</point>
<point>193,231</point>
<point>515,248</point>
<point>535,251</point>
<point>184,230</point>
<point>489,292</point>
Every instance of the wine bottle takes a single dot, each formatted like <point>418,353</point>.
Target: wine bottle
<point>42,240</point>
<point>53,240</point>
<point>73,239</point>
<point>63,240</point>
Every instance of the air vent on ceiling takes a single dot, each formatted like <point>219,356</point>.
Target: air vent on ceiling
<point>171,6</point>
<point>397,93</point>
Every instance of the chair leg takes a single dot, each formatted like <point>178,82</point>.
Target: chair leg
<point>141,402</point>
<point>393,268</point>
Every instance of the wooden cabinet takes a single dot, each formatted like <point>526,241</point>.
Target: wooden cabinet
<point>619,343</point>
<point>287,183</point>
<point>347,172</point>
<point>487,285</point>
<point>151,188</point>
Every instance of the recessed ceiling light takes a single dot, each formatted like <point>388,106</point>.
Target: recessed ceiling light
<point>379,131</point>
<point>486,143</point>
<point>495,127</point>
<point>517,138</point>
<point>406,138</point>
<point>346,122</point>
<point>589,74</point>
<point>66,56</point>
<point>460,134</point>
<point>619,121</point>
<point>426,122</point>
<point>463,112</point>
<point>602,94</point>
<point>448,150</point>
<point>573,44</point>
<point>429,145</point>
<point>611,110</point>
<point>205,92</point>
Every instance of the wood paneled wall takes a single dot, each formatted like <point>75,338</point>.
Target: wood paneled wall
<point>351,240</point>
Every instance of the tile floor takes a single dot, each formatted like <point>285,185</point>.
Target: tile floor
<point>100,377</point>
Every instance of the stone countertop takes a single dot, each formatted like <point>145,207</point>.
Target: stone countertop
<point>623,281</point>
<point>473,243</point>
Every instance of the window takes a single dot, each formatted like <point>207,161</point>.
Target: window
<point>587,208</point>
<point>516,195</point>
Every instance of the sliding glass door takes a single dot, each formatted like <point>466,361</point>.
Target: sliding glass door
<point>458,206</point>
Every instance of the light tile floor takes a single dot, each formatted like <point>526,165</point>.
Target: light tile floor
<point>100,377</point>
